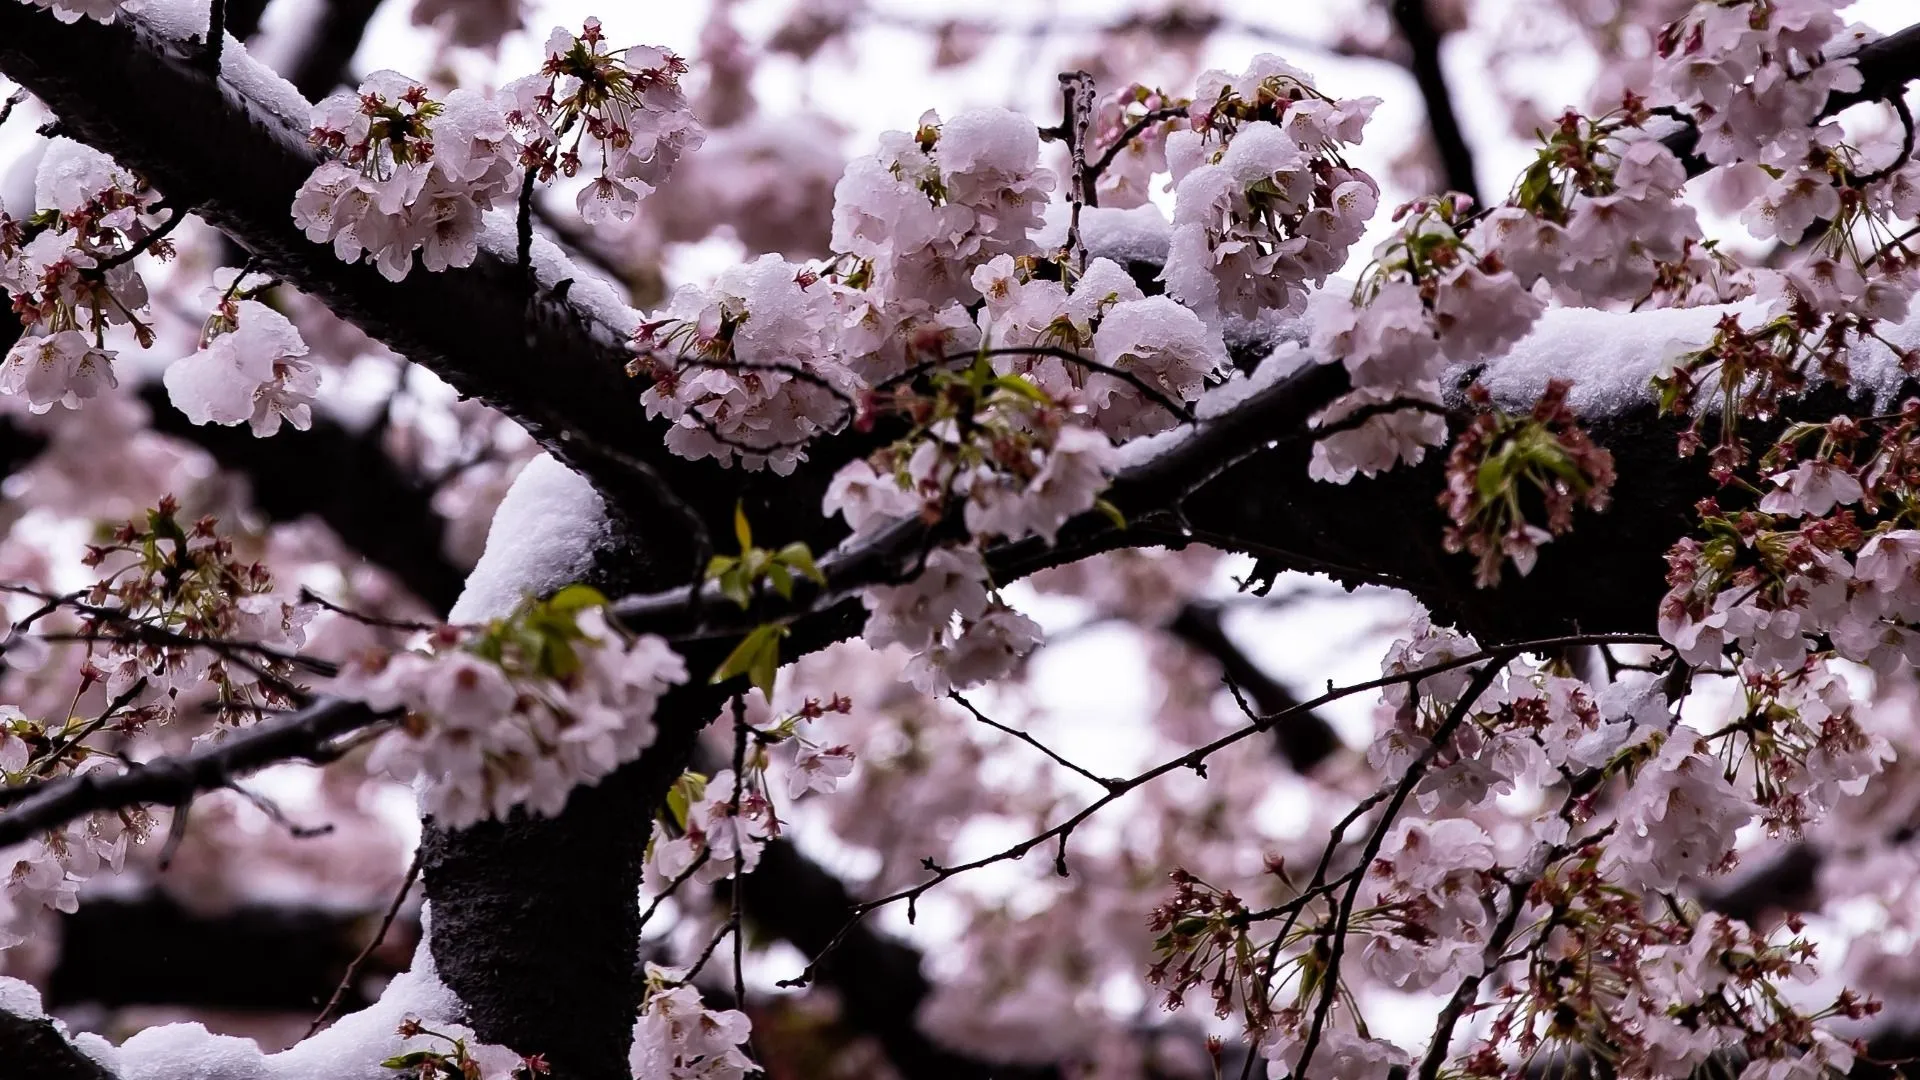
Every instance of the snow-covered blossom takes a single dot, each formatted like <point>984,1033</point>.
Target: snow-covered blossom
<point>1159,342</point>
<point>491,725</point>
<point>72,278</point>
<point>930,206</point>
<point>411,173</point>
<point>748,369</point>
<point>1275,207</point>
<point>251,370</point>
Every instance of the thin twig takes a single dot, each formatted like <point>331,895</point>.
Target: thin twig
<point>1132,132</point>
<point>1194,759</point>
<point>144,245</point>
<point>1899,103</point>
<point>1442,736</point>
<point>7,106</point>
<point>310,597</point>
<point>366,951</point>
<point>1104,781</point>
<point>175,781</point>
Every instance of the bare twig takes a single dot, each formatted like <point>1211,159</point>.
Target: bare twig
<point>1196,759</point>
<point>1104,781</point>
<point>364,618</point>
<point>373,943</point>
<point>1442,736</point>
<point>143,245</point>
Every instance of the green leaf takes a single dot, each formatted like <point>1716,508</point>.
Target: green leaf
<point>782,580</point>
<point>797,556</point>
<point>734,585</point>
<point>741,530</point>
<point>1112,512</point>
<point>720,564</point>
<point>1016,384</point>
<point>757,657</point>
<point>575,598</point>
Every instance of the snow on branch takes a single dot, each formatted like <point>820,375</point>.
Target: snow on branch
<point>233,148</point>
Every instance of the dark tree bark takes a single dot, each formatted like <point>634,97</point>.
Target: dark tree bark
<point>39,1051</point>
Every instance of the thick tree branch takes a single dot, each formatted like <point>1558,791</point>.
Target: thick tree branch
<point>149,950</point>
<point>36,1050</point>
<point>216,146</point>
<point>175,781</point>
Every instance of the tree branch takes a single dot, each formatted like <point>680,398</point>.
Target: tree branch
<point>329,46</point>
<point>174,781</point>
<point>549,363</point>
<point>1306,739</point>
<point>38,1050</point>
<point>1423,40</point>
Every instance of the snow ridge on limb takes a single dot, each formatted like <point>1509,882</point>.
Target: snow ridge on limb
<point>536,353</point>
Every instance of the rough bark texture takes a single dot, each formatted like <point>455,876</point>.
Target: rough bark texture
<point>35,1047</point>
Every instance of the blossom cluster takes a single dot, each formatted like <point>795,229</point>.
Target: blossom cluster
<point>618,113</point>
<point>409,173</point>
<point>69,268</point>
<point>250,367</point>
<point>1643,806</point>
<point>175,626</point>
<point>1264,204</point>
<point>102,11</point>
<point>717,826</point>
<point>518,712</point>
<point>679,1038</point>
<point>748,369</point>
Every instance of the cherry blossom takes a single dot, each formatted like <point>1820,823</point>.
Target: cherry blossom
<point>250,371</point>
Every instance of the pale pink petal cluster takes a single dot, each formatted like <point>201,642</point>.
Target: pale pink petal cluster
<point>413,174</point>
<point>252,373</point>
<point>478,742</point>
<point>679,1038</point>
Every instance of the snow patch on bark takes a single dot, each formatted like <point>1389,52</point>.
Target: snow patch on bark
<point>543,536</point>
